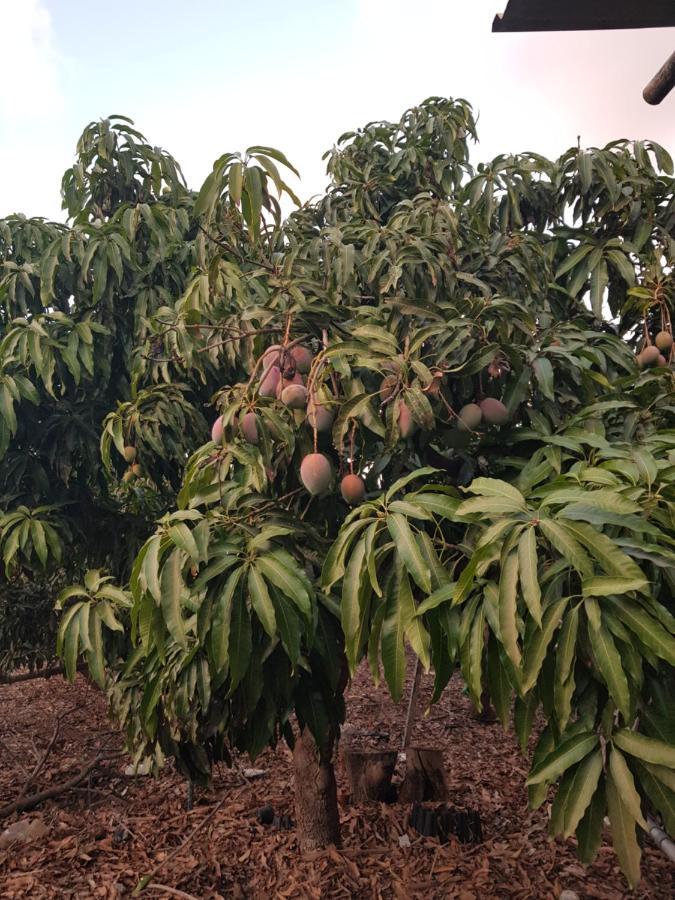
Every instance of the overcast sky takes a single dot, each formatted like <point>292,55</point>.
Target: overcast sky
<point>210,76</point>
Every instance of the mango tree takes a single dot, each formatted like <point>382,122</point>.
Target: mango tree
<point>441,400</point>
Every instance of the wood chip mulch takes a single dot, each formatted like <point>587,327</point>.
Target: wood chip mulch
<point>100,838</point>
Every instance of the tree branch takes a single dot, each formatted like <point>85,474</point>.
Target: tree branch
<point>30,676</point>
<point>35,799</point>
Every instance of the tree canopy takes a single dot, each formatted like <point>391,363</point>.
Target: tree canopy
<point>488,348</point>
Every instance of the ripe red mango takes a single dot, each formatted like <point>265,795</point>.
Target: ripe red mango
<point>248,426</point>
<point>316,473</point>
<point>406,424</point>
<point>493,410</point>
<point>470,417</point>
<point>353,489</point>
<point>294,396</point>
<point>319,417</point>
<point>302,357</point>
<point>217,432</point>
<point>270,383</point>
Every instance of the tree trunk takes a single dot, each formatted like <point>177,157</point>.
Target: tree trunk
<point>316,809</point>
<point>487,715</point>
<point>412,705</point>
<point>369,773</point>
<point>424,776</point>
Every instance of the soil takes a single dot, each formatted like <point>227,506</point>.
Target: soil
<point>100,838</point>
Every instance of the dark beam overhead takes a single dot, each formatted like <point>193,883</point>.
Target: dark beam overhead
<point>584,15</point>
<point>662,83</point>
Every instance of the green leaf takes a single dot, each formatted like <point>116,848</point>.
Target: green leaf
<point>544,373</point>
<point>537,793</point>
<point>253,189</point>
<point>172,588</point>
<point>37,533</point>
<point>607,553</point>
<point>414,629</point>
<point>334,563</point>
<point>605,585</point>
<point>665,776</point>
<point>524,711</point>
<point>623,779</point>
<point>468,574</point>
<point>400,483</point>
<point>288,625</point>
<point>584,785</point>
<point>393,647</point>
<point>95,656</point>
<point>488,506</point>
<point>662,796</point>
<point>274,154</point>
<point>438,504</point>
<point>529,578</point>
<point>562,757</point>
<point>151,568</point>
<point>608,661</point>
<point>220,628</point>
<point>645,748</point>
<point>563,682</point>
<point>420,407</point>
<point>71,642</point>
<point>472,658</point>
<point>624,838</point>
<point>499,684</point>
<point>370,538</point>
<point>410,510</point>
<point>235,179</point>
<point>536,646</point>
<point>650,632</point>
<point>353,596</point>
<point>589,830</point>
<point>573,260</point>
<point>561,539</point>
<point>408,550</point>
<point>181,536</point>
<point>508,595</point>
<point>284,575</point>
<point>261,601</point>
<point>599,282</point>
<point>239,646</point>
<point>440,595</point>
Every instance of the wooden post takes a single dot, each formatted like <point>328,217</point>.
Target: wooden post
<point>662,83</point>
<point>424,776</point>
<point>369,773</point>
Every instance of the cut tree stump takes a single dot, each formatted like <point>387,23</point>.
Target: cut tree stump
<point>424,776</point>
<point>369,773</point>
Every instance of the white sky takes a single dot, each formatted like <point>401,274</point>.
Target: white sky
<point>322,68</point>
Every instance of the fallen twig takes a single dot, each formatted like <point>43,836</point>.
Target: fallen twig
<point>43,759</point>
<point>30,676</point>
<point>169,890</point>
<point>35,799</point>
<point>147,879</point>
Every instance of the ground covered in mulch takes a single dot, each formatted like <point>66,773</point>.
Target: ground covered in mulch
<point>100,838</point>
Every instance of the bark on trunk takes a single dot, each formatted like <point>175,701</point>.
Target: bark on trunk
<point>487,715</point>
<point>412,705</point>
<point>424,777</point>
<point>369,773</point>
<point>316,809</point>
